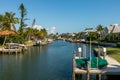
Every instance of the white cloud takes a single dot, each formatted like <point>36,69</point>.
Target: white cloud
<point>52,30</point>
<point>38,27</point>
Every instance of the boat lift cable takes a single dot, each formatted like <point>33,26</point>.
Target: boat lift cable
<point>84,47</point>
<point>90,53</point>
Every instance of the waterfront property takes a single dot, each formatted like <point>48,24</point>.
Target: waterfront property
<point>113,68</point>
<point>112,29</point>
<point>3,50</point>
<point>12,48</point>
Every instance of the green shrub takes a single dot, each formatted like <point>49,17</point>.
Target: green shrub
<point>15,39</point>
<point>1,40</point>
<point>118,44</point>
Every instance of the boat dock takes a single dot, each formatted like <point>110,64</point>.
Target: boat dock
<point>113,68</point>
<point>3,50</point>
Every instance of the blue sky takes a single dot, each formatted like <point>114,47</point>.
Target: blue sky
<point>67,15</point>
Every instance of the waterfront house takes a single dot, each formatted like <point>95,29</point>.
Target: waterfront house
<point>111,29</point>
<point>87,31</point>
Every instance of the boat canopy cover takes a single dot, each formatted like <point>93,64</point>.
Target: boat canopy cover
<point>95,62</point>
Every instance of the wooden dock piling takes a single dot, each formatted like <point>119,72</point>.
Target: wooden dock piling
<point>88,70</point>
<point>79,52</point>
<point>73,76</point>
<point>9,51</point>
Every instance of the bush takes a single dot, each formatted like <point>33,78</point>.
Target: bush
<point>1,40</point>
<point>15,39</point>
<point>118,44</point>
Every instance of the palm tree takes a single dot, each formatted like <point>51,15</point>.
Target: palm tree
<point>8,21</point>
<point>78,35</point>
<point>11,20</point>
<point>100,30</point>
<point>22,19</point>
<point>2,21</point>
<point>42,33</point>
<point>33,23</point>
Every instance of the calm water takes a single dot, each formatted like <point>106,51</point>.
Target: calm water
<point>50,62</point>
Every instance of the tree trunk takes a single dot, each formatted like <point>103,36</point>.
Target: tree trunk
<point>4,40</point>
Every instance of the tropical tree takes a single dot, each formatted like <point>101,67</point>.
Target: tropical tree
<point>100,31</point>
<point>78,35</point>
<point>8,21</point>
<point>92,35</point>
<point>2,20</point>
<point>23,12</point>
<point>33,23</point>
<point>30,30</point>
<point>42,33</point>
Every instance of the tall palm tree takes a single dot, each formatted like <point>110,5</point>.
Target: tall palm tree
<point>30,30</point>
<point>23,12</point>
<point>8,21</point>
<point>33,23</point>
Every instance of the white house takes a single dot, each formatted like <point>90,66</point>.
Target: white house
<point>87,31</point>
<point>111,29</point>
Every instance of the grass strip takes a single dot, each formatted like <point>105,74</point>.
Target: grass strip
<point>114,53</point>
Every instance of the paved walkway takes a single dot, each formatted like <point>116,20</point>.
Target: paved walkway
<point>112,62</point>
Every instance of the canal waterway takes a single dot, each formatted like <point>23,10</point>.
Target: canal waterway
<point>49,62</point>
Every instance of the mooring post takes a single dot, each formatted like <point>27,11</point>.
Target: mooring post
<point>2,49</point>
<point>20,49</point>
<point>16,51</point>
<point>74,65</point>
<point>74,56</point>
<point>9,50</point>
<point>99,51</point>
<point>104,51</point>
<point>98,76</point>
<point>73,69</point>
<point>88,70</point>
<point>79,52</point>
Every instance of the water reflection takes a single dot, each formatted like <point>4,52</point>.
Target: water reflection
<point>50,62</point>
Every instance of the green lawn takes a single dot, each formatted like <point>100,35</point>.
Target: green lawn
<point>114,52</point>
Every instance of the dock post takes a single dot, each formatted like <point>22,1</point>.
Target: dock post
<point>98,51</point>
<point>88,70</point>
<point>2,50</point>
<point>74,56</point>
<point>74,66</point>
<point>104,51</point>
<point>9,50</point>
<point>16,51</point>
<point>98,76</point>
<point>73,76</point>
<point>79,52</point>
<point>20,49</point>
